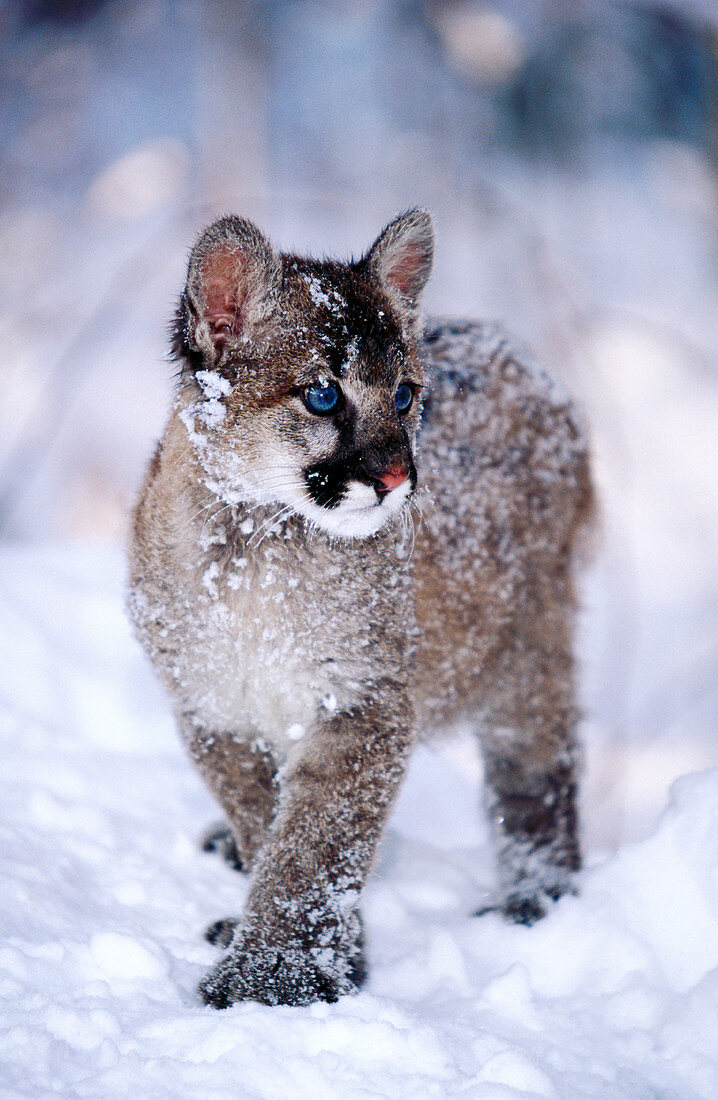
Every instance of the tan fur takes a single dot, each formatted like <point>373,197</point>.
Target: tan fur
<point>302,662</point>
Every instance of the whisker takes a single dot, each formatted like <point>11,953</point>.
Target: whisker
<point>412,528</point>
<point>278,517</point>
<point>213,517</point>
<point>256,534</point>
<point>270,483</point>
<point>204,508</point>
<point>268,523</point>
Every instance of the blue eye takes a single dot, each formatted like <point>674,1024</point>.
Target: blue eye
<point>404,397</point>
<point>322,400</point>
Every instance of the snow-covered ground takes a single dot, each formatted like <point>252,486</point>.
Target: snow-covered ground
<point>105,896</point>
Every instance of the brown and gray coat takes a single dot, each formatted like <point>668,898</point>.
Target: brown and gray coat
<point>309,623</point>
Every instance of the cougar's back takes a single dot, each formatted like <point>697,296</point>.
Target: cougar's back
<point>506,491</point>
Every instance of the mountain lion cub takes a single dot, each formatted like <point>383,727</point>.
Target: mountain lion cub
<point>353,533</point>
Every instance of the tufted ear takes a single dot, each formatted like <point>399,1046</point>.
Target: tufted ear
<point>233,282</point>
<point>402,255</point>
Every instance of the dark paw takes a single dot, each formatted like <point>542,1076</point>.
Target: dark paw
<point>517,910</point>
<point>286,975</point>
<point>524,910</point>
<point>216,990</point>
<point>272,979</point>
<point>220,839</point>
<point>220,933</point>
<point>520,909</point>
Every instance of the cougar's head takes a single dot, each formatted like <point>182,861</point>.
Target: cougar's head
<point>302,379</point>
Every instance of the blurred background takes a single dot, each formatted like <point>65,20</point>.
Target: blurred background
<point>569,152</point>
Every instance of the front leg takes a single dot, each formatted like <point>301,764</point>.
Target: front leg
<point>242,777</point>
<point>300,938</point>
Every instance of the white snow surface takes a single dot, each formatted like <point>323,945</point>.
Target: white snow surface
<point>106,894</point>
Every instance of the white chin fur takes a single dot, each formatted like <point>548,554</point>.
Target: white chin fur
<point>360,513</point>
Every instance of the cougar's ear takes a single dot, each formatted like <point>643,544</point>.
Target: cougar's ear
<point>402,255</point>
<point>233,281</point>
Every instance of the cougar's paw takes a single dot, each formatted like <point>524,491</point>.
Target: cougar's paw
<point>525,908</point>
<point>220,933</point>
<point>282,975</point>
<point>220,838</point>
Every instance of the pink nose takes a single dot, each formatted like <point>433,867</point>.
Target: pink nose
<point>394,476</point>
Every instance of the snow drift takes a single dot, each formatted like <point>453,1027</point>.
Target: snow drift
<point>106,895</point>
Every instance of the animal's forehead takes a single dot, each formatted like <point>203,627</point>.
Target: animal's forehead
<point>347,322</point>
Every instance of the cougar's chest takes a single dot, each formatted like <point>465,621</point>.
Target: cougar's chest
<point>269,644</point>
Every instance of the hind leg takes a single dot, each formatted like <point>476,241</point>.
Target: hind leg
<point>534,820</point>
<point>531,762</point>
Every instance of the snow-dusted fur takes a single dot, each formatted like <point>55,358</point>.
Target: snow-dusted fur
<point>310,623</point>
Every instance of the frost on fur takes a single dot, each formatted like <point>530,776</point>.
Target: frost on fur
<point>353,535</point>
